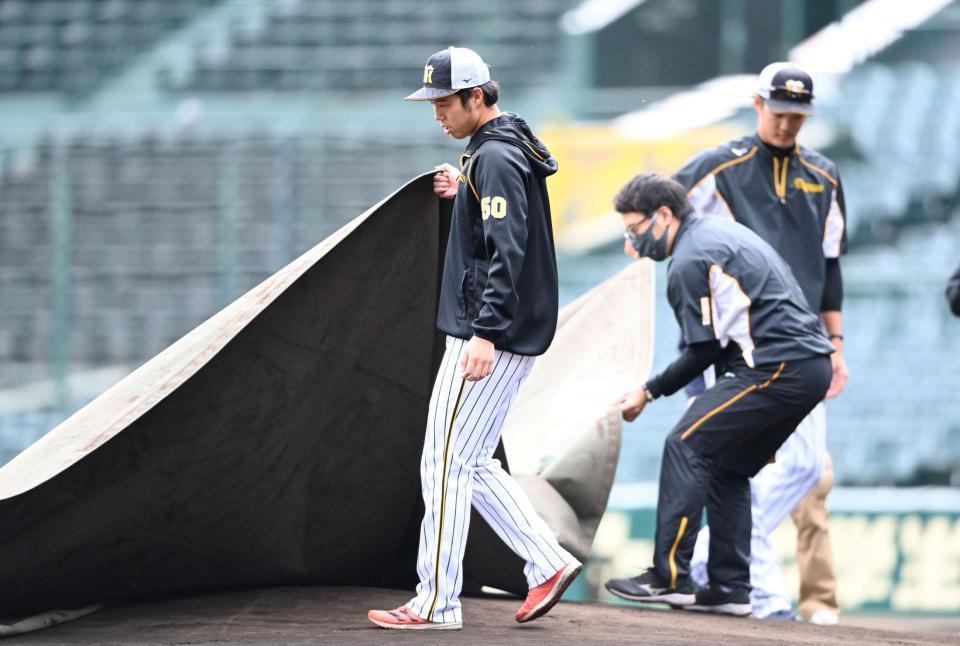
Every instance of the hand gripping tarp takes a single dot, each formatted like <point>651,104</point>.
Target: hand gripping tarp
<point>277,443</point>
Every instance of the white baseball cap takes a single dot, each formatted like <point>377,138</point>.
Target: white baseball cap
<point>786,88</point>
<point>449,71</point>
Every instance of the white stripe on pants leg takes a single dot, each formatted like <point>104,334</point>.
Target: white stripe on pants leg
<point>776,491</point>
<point>466,426</point>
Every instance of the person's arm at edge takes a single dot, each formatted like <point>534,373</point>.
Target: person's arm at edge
<point>832,316</point>
<point>953,292</point>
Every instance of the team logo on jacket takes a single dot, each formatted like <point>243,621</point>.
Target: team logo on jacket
<point>739,152</point>
<point>807,187</point>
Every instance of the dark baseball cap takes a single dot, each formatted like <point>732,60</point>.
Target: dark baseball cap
<point>451,70</point>
<point>786,88</point>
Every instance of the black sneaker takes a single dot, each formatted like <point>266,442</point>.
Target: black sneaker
<point>725,602</point>
<point>650,587</point>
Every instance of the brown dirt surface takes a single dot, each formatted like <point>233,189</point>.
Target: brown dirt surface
<point>326,615</point>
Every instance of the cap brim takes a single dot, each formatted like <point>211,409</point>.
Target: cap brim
<point>791,107</point>
<point>429,94</point>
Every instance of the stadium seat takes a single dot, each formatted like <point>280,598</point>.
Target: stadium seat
<point>324,45</point>
<point>70,46</point>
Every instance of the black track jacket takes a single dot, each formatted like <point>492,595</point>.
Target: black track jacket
<point>794,202</point>
<point>500,271</point>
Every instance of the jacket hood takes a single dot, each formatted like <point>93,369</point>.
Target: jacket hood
<point>511,128</point>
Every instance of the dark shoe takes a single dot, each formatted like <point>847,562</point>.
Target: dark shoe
<point>725,602</point>
<point>650,587</point>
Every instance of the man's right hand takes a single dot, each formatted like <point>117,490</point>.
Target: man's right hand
<point>478,359</point>
<point>445,181</point>
<point>632,404</point>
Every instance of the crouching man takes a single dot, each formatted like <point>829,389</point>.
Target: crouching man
<point>740,309</point>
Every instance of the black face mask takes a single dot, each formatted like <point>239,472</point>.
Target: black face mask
<point>648,246</point>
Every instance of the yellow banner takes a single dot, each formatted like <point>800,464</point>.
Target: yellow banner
<point>596,161</point>
<point>889,562</point>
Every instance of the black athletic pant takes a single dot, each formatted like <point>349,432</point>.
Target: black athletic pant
<point>729,433</point>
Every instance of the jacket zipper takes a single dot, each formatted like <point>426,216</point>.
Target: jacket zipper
<point>780,178</point>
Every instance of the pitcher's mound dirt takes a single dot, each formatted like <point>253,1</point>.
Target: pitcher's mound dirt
<point>323,615</point>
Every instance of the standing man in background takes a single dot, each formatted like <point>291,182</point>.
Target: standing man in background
<point>498,307</point>
<point>792,198</point>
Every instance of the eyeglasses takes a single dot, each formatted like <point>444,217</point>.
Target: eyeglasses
<point>631,233</point>
<point>633,230</point>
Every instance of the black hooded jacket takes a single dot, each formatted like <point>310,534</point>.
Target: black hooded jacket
<point>500,271</point>
<point>953,292</point>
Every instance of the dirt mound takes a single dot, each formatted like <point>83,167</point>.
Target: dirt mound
<point>325,615</point>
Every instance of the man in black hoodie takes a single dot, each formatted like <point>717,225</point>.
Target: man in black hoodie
<point>498,307</point>
<point>953,292</point>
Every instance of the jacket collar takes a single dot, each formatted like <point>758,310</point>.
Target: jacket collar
<point>768,152</point>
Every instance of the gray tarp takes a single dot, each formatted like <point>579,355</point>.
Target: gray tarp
<point>276,443</point>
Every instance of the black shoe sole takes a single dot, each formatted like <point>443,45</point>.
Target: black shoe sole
<point>673,599</point>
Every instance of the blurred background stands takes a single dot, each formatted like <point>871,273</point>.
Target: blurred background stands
<point>128,216</point>
<point>71,45</point>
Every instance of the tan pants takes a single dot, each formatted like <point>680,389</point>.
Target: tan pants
<point>818,578</point>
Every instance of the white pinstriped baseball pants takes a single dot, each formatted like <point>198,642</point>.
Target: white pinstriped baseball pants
<point>775,492</point>
<point>457,468</point>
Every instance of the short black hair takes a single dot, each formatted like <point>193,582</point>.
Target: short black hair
<point>647,192</point>
<point>491,93</point>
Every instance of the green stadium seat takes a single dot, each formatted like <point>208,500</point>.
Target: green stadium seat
<point>71,46</point>
<point>360,44</point>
